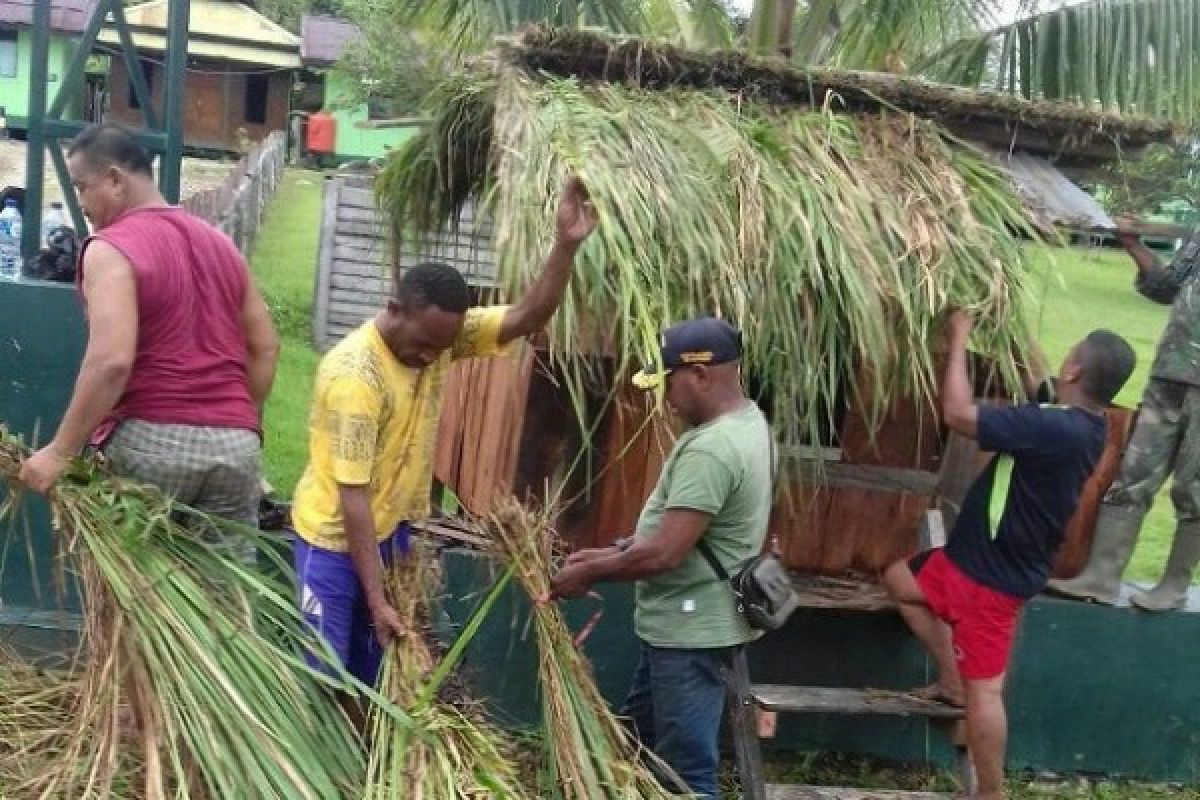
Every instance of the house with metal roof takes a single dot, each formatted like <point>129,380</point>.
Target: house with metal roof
<point>67,21</point>
<point>364,130</point>
<point>240,70</point>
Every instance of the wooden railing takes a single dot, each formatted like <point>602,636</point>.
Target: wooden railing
<point>236,206</point>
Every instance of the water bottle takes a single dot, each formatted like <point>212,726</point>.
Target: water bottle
<point>10,242</point>
<point>52,221</point>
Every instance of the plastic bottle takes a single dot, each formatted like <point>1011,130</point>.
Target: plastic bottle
<point>10,242</point>
<point>52,221</point>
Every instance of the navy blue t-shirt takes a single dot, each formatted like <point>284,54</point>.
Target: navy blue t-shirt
<point>1009,542</point>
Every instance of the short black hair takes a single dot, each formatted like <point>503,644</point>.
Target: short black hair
<point>1107,361</point>
<point>107,145</point>
<point>434,284</point>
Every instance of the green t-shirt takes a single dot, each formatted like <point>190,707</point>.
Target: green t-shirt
<point>721,468</point>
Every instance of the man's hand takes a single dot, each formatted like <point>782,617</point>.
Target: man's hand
<point>387,622</point>
<point>571,581</point>
<point>576,217</point>
<point>43,469</point>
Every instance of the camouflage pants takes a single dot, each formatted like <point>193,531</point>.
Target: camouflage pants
<point>1165,441</point>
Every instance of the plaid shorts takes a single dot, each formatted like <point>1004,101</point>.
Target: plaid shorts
<point>214,470</point>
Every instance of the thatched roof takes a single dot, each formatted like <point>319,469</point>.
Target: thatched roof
<point>837,241</point>
<point>1070,134</point>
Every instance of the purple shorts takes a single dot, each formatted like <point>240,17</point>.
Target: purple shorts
<point>332,600</point>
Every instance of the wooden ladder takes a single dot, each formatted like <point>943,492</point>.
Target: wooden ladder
<point>746,700</point>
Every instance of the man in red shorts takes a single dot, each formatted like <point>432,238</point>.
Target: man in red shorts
<point>963,601</point>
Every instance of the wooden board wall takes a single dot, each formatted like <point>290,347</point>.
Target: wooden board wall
<point>483,413</point>
<point>354,257</point>
<point>491,420</point>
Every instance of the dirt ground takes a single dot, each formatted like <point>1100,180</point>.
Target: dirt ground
<point>198,173</point>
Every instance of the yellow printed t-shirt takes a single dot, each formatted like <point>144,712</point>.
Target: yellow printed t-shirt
<point>374,423</point>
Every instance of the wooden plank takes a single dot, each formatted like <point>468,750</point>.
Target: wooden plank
<point>743,722</point>
<point>820,591</point>
<point>369,230</point>
<point>473,430</point>
<point>830,700</point>
<point>777,791</point>
<point>452,533</point>
<point>321,335</point>
<point>449,442</point>
<point>354,197</point>
<point>863,476</point>
<point>1076,546</point>
<point>361,269</point>
<point>347,214</point>
<point>360,241</point>
<point>361,284</point>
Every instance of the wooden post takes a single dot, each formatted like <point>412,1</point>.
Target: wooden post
<point>329,210</point>
<point>743,723</point>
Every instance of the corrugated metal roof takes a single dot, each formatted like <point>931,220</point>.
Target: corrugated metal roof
<point>218,29</point>
<point>1051,196</point>
<point>324,39</point>
<point>67,16</point>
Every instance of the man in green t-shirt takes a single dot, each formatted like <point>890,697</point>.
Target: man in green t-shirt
<point>714,492</point>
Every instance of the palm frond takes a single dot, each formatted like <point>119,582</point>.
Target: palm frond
<point>1131,56</point>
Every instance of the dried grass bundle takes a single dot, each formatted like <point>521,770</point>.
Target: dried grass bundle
<point>448,752</point>
<point>590,754</point>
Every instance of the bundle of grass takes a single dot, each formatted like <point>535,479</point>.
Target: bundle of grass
<point>590,755</point>
<point>191,660</point>
<point>448,752</point>
<point>837,241</point>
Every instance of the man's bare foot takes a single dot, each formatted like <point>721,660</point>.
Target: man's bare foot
<point>947,695</point>
<point>983,796</point>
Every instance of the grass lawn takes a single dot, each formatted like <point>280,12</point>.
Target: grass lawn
<point>1080,290</point>
<point>283,263</point>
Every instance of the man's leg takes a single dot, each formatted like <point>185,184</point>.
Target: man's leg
<point>1171,591</point>
<point>987,734</point>
<point>934,634</point>
<point>638,707</point>
<point>688,695</point>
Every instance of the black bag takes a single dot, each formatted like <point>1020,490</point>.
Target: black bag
<point>763,588</point>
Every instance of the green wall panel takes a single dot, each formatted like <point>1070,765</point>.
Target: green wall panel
<point>354,142</point>
<point>1092,689</point>
<point>41,343</point>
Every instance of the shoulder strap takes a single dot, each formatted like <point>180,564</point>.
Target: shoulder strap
<point>702,544</point>
<point>711,558</point>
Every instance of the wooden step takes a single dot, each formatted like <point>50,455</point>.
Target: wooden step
<point>823,700</point>
<point>777,791</point>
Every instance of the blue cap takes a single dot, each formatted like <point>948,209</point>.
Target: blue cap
<point>705,341</point>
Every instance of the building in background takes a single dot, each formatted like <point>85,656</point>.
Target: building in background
<point>240,72</point>
<point>67,21</point>
<point>364,130</point>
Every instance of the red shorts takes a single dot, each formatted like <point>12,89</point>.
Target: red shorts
<point>984,620</point>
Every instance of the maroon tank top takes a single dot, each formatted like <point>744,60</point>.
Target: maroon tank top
<point>190,367</point>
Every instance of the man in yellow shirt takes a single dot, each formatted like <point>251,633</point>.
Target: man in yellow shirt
<point>373,429</point>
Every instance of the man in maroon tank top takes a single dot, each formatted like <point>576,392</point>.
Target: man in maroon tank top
<point>181,350</point>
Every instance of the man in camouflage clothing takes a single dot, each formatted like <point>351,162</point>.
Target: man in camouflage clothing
<point>1165,440</point>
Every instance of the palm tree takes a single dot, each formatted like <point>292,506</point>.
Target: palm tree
<point>1129,56</point>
